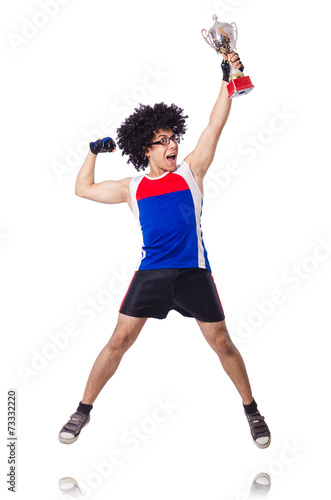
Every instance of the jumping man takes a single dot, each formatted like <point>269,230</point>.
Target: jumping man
<point>174,271</point>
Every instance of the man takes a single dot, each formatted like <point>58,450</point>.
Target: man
<point>174,271</point>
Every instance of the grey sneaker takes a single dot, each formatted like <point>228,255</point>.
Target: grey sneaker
<point>259,429</point>
<point>71,430</point>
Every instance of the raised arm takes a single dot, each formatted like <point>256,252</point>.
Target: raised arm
<point>202,156</point>
<point>103,192</point>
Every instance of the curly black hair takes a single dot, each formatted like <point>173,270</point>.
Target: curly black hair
<point>136,132</point>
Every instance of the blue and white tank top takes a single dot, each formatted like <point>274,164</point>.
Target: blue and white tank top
<point>168,209</point>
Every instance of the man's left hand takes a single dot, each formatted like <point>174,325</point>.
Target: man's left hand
<point>235,62</point>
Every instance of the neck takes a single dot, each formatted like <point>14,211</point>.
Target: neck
<point>155,171</point>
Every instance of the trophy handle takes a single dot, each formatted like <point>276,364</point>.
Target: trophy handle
<point>205,36</point>
<point>235,29</point>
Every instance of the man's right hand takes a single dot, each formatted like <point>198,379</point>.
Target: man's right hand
<point>106,145</point>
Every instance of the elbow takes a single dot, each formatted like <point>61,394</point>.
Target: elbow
<point>79,191</point>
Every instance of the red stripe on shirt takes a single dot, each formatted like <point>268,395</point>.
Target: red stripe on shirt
<point>167,184</point>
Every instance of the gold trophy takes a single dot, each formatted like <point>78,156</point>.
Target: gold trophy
<point>222,37</point>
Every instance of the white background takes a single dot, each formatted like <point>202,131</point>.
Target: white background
<point>59,85</point>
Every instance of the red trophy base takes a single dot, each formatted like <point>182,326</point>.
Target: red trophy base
<point>240,86</point>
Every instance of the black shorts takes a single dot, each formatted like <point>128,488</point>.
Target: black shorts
<point>191,292</point>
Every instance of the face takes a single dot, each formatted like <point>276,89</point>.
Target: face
<point>162,158</point>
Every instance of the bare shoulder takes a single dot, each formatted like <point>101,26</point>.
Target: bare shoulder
<point>126,182</point>
<point>197,174</point>
<point>193,164</point>
<point>125,185</point>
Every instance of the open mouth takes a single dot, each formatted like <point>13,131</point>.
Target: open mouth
<point>171,159</point>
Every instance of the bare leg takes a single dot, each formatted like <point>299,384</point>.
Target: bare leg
<point>106,364</point>
<point>218,338</point>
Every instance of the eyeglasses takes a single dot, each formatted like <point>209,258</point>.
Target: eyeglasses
<point>166,140</point>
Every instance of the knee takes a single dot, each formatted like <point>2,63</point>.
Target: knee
<point>120,340</point>
<point>222,343</point>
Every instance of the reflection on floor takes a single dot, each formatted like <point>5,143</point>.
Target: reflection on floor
<point>70,487</point>
<point>260,487</point>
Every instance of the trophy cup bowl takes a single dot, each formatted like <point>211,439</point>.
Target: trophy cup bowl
<point>222,37</point>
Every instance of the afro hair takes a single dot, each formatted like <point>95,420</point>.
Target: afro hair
<point>136,132</point>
